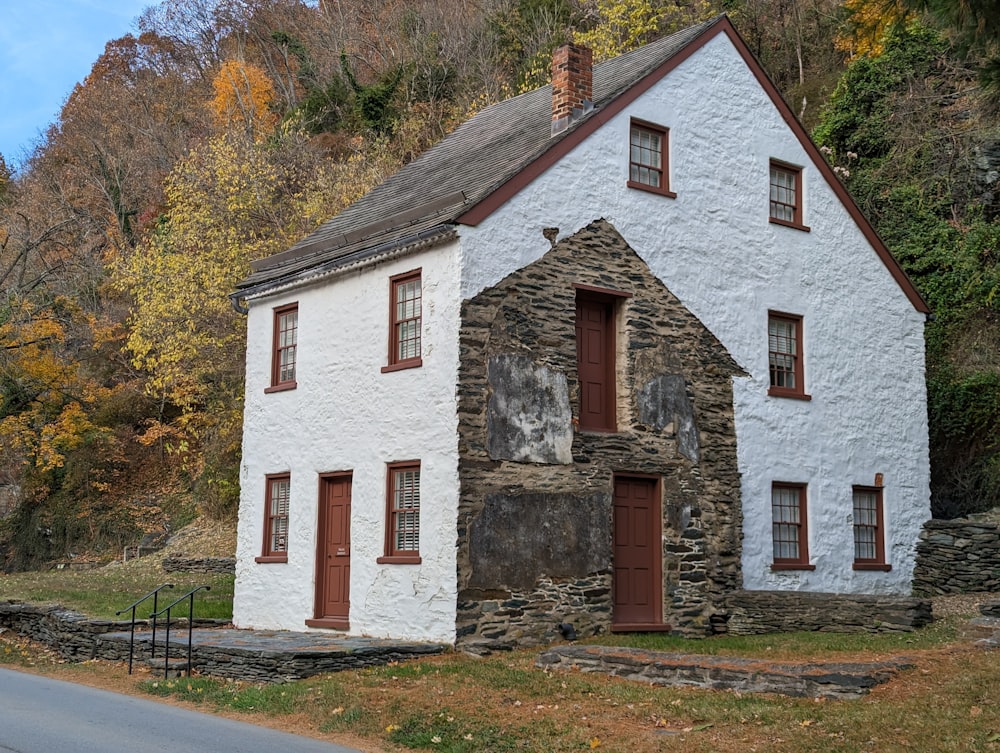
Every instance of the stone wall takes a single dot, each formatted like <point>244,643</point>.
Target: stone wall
<point>957,556</point>
<point>754,612</point>
<point>70,634</point>
<point>535,512</point>
<point>176,564</point>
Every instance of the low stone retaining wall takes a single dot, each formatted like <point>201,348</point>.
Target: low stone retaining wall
<point>70,634</point>
<point>754,612</point>
<point>175,564</point>
<point>957,556</point>
<point>253,656</point>
<point>835,680</point>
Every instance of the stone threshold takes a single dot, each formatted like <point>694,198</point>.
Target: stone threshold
<point>831,680</point>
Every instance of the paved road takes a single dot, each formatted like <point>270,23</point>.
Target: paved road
<point>41,715</point>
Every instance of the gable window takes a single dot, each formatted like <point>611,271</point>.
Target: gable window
<point>786,195</point>
<point>276,497</point>
<point>789,531</point>
<point>402,530</point>
<point>595,357</point>
<point>404,321</point>
<point>283,356</point>
<point>869,529</point>
<point>647,168</point>
<point>784,355</point>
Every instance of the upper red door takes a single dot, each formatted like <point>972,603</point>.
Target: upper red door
<point>595,350</point>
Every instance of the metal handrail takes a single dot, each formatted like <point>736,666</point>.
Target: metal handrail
<point>131,636</point>
<point>166,641</point>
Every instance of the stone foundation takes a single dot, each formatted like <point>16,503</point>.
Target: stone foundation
<point>755,612</point>
<point>957,556</point>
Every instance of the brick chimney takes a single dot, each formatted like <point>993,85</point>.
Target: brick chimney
<point>572,85</point>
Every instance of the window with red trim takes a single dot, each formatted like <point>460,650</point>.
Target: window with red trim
<point>276,498</point>
<point>789,529</point>
<point>786,195</point>
<point>595,360</point>
<point>286,338</point>
<point>869,529</point>
<point>402,539</point>
<point>405,317</point>
<point>784,355</point>
<point>648,167</point>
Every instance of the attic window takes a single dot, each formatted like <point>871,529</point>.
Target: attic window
<point>786,195</point>
<point>648,163</point>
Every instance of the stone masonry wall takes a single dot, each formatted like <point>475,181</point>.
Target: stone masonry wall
<point>957,556</point>
<point>755,612</point>
<point>175,564</point>
<point>535,511</point>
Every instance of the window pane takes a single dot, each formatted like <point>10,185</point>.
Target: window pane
<point>646,157</point>
<point>787,524</point>
<point>782,346</point>
<point>783,195</point>
<point>866,525</point>
<point>406,510</point>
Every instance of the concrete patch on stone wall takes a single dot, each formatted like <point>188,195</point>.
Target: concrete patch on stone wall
<point>529,419</point>
<point>516,539</point>
<point>663,401</point>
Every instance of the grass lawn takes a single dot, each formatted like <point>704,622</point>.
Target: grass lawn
<point>462,704</point>
<point>99,593</point>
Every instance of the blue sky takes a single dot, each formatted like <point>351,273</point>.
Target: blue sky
<point>47,47</point>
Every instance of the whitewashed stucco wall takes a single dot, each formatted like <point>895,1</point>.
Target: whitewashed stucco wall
<point>714,248</point>
<point>345,415</point>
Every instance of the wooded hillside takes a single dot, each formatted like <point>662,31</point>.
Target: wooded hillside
<point>228,129</point>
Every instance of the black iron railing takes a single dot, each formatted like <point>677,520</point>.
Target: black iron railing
<point>166,641</point>
<point>131,635</point>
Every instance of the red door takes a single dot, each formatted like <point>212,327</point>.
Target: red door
<point>333,554</point>
<point>637,557</point>
<point>595,363</point>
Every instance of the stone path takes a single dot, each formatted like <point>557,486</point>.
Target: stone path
<point>840,680</point>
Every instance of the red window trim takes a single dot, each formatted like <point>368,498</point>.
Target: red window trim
<point>798,367</point>
<point>269,555</point>
<point>394,362</point>
<point>276,349</point>
<point>796,170</point>
<point>392,555</point>
<point>879,562</point>
<point>802,561</point>
<point>664,170</point>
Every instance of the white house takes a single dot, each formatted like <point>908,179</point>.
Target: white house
<point>611,350</point>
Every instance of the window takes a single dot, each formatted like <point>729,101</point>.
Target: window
<point>286,336</point>
<point>277,492</point>
<point>786,195</point>
<point>869,529</point>
<point>595,358</point>
<point>404,321</point>
<point>784,355</point>
<point>648,158</point>
<point>788,528</point>
<point>402,530</point>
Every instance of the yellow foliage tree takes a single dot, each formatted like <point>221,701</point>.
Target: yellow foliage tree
<point>868,23</point>
<point>623,25</point>
<point>244,98</point>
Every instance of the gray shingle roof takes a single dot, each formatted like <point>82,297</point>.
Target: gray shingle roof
<point>422,201</point>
